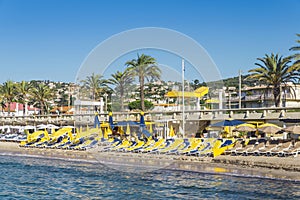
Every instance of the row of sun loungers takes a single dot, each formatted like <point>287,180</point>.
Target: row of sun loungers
<point>65,143</point>
<point>265,148</point>
<point>179,146</point>
<point>205,147</point>
<point>191,146</point>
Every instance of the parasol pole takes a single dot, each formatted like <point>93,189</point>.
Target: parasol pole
<point>183,118</point>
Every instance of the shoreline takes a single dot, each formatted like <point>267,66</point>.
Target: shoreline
<point>244,166</point>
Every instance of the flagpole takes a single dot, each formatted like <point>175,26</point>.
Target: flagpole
<point>183,118</point>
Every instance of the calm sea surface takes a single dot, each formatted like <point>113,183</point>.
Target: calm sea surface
<point>36,178</point>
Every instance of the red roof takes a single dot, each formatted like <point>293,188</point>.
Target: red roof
<point>13,107</point>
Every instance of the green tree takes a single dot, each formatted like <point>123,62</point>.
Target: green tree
<point>121,81</point>
<point>296,56</point>
<point>2,101</point>
<point>42,94</point>
<point>275,72</point>
<point>96,84</point>
<point>144,67</point>
<point>23,88</point>
<point>8,91</point>
<point>136,105</point>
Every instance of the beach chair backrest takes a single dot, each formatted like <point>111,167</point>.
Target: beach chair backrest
<point>297,144</point>
<point>261,144</point>
<point>286,144</point>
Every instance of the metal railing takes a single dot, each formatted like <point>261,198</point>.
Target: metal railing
<point>212,114</point>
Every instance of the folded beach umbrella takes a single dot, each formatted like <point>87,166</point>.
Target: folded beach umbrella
<point>110,120</point>
<point>293,129</point>
<point>128,129</point>
<point>227,122</point>
<point>105,136</point>
<point>142,120</point>
<point>151,128</point>
<point>96,122</point>
<point>172,132</point>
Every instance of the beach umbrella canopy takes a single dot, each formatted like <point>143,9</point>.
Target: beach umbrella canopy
<point>29,127</point>
<point>42,126</point>
<point>227,122</point>
<point>125,123</point>
<point>52,126</point>
<point>268,124</point>
<point>245,128</point>
<point>270,129</point>
<point>293,129</point>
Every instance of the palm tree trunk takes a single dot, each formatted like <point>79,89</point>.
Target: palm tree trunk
<point>8,107</point>
<point>142,95</point>
<point>24,109</point>
<point>122,101</point>
<point>277,96</point>
<point>42,107</point>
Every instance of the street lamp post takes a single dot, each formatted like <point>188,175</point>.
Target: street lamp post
<point>240,89</point>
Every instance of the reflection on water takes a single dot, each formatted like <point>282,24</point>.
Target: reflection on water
<point>33,178</point>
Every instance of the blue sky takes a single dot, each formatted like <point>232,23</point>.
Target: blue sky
<point>49,39</point>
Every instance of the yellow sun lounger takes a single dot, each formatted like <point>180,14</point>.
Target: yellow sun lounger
<point>172,146</point>
<point>156,145</point>
<point>194,144</point>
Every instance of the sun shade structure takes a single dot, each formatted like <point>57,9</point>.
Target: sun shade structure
<point>245,128</point>
<point>293,129</point>
<point>227,122</point>
<point>268,124</point>
<point>199,92</point>
<point>270,129</point>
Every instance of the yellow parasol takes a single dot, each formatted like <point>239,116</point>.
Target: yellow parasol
<point>267,125</point>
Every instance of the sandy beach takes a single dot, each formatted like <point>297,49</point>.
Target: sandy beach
<point>255,166</point>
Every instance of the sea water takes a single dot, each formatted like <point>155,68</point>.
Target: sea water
<point>39,178</point>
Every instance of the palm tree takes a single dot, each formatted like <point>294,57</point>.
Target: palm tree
<point>296,56</point>
<point>274,72</point>
<point>42,94</point>
<point>96,84</point>
<point>144,67</point>
<point>122,82</point>
<point>23,89</point>
<point>8,92</point>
